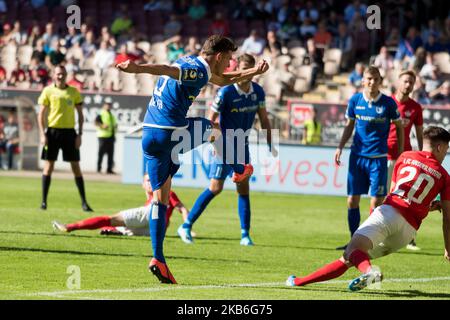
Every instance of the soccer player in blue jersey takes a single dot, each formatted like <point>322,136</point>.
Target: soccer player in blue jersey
<point>165,123</point>
<point>235,108</point>
<point>370,113</point>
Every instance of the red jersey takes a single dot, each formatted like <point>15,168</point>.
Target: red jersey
<point>173,200</point>
<point>411,114</point>
<point>418,178</point>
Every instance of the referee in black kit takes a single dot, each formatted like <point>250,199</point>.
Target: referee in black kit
<point>60,101</point>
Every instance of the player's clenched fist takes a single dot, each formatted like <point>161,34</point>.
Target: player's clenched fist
<point>262,66</point>
<point>446,255</point>
<point>127,66</point>
<point>337,156</point>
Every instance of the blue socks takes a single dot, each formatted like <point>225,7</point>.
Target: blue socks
<point>200,204</point>
<point>244,214</point>
<point>354,218</point>
<point>157,224</point>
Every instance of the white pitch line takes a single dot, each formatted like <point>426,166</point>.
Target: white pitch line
<point>62,294</point>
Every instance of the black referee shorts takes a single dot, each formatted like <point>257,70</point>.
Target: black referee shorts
<point>60,139</point>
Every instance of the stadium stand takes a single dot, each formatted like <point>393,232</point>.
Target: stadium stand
<point>319,74</point>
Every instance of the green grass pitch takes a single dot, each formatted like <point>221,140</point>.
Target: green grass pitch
<point>293,234</point>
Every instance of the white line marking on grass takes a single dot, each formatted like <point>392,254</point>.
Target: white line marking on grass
<point>63,294</point>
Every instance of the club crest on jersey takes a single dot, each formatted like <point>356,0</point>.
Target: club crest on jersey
<point>254,97</point>
<point>200,75</point>
<point>379,110</point>
<point>189,75</point>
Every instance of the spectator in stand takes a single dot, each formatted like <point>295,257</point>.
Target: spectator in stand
<point>18,34</point>
<point>352,9</point>
<point>408,46</point>
<point>441,94</point>
<point>264,9</point>
<point>34,36</point>
<point>309,11</point>
<point>243,10</point>
<point>193,47</point>
<point>333,23</point>
<point>289,29</point>
<point>172,27</point>
<point>49,36</point>
<point>313,57</point>
<point>307,29</point>
<point>71,37</point>
<point>3,80</point>
<point>197,10</point>
<point>175,48</point>
<point>123,24</point>
<point>428,66</point>
<point>76,53</point>
<point>4,39</point>
<point>88,47</point>
<point>72,65</point>
<point>384,61</point>
<point>273,44</point>
<point>432,29</point>
<point>15,73</point>
<point>181,7</point>
<point>322,37</point>
<point>105,35</point>
<point>361,38</point>
<point>254,44</point>
<point>219,26</point>
<point>419,94</point>
<point>55,55</point>
<point>432,79</point>
<point>284,12</point>
<point>344,42</point>
<point>356,76</point>
<point>285,79</point>
<point>135,52</point>
<point>73,81</point>
<point>39,52</point>
<point>393,39</point>
<point>124,55</point>
<point>104,57</point>
<point>432,45</point>
<point>418,60</point>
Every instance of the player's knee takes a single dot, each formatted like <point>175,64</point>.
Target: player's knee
<point>353,202</point>
<point>216,189</point>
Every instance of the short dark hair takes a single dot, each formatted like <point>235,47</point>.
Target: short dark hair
<point>436,134</point>
<point>247,58</point>
<point>216,44</point>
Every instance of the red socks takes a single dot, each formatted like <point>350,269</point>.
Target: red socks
<point>90,224</point>
<point>360,260</point>
<point>330,271</point>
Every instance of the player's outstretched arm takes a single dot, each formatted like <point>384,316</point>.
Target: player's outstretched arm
<point>154,69</point>
<point>346,135</point>
<point>446,227</point>
<point>239,75</point>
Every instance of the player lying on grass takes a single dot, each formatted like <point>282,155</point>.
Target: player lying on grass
<point>417,179</point>
<point>127,222</point>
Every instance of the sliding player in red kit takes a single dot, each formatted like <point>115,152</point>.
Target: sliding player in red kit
<point>418,178</point>
<point>127,222</point>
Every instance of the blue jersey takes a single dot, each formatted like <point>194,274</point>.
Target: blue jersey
<point>373,119</point>
<point>238,109</point>
<point>172,98</point>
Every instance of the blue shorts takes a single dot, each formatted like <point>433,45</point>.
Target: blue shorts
<point>162,146</point>
<point>366,172</point>
<point>220,171</point>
